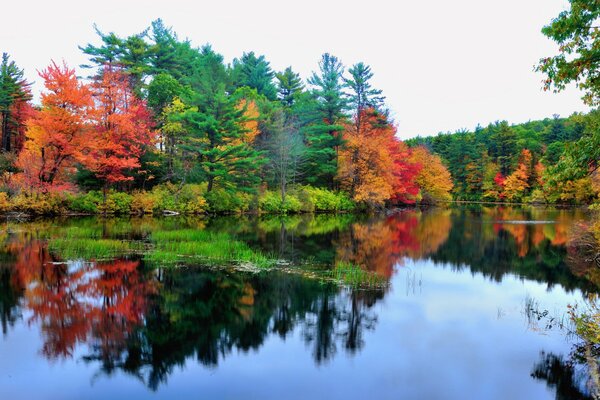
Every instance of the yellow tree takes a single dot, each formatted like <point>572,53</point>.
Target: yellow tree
<point>434,180</point>
<point>366,162</point>
<point>516,184</point>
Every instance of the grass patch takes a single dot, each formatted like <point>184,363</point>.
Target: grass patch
<point>353,275</point>
<point>181,245</point>
<point>92,248</point>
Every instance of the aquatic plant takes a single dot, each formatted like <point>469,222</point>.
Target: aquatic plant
<point>355,276</point>
<point>185,244</point>
<point>92,249</point>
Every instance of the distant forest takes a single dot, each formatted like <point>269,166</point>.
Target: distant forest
<point>528,162</point>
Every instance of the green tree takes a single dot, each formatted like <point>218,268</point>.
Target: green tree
<point>132,54</point>
<point>506,148</point>
<point>289,86</point>
<point>254,72</point>
<point>13,89</point>
<point>214,129</point>
<point>169,55</point>
<point>577,33</point>
<point>321,115</point>
<point>362,95</point>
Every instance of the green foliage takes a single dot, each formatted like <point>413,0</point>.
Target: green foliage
<point>323,200</point>
<point>256,73</point>
<point>321,115</point>
<point>289,86</point>
<point>214,127</point>
<point>221,201</point>
<point>270,202</point>
<point>577,33</point>
<point>118,203</point>
<point>85,203</point>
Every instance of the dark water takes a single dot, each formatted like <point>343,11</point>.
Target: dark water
<point>475,309</point>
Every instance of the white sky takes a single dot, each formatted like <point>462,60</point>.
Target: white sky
<point>443,65</point>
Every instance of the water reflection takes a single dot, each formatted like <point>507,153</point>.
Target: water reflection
<point>147,321</point>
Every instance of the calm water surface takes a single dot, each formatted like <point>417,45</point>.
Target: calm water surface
<point>474,309</point>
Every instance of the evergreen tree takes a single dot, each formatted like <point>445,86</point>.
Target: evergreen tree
<point>506,148</point>
<point>289,86</point>
<point>362,95</point>
<point>214,127</point>
<point>321,114</point>
<point>13,90</point>
<point>254,72</point>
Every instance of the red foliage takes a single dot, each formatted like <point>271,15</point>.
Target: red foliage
<point>123,127</point>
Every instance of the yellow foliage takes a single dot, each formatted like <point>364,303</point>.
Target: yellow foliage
<point>434,179</point>
<point>516,183</point>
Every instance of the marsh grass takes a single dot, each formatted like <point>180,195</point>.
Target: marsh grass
<point>353,275</point>
<point>186,244</point>
<point>78,248</point>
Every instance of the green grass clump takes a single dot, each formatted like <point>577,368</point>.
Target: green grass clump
<point>88,249</point>
<point>181,245</point>
<point>353,275</point>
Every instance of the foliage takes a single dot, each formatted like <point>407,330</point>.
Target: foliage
<point>577,33</point>
<point>58,134</point>
<point>14,92</point>
<point>434,180</point>
<point>271,202</point>
<point>123,129</point>
<point>373,166</point>
<point>323,200</point>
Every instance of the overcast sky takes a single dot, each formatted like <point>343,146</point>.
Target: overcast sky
<point>443,65</point>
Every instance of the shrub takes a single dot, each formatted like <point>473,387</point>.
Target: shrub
<point>5,205</point>
<point>318,199</point>
<point>191,199</point>
<point>143,203</point>
<point>39,203</point>
<point>116,203</point>
<point>221,201</point>
<point>270,202</point>
<point>85,203</point>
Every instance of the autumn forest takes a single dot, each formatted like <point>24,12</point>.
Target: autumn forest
<point>161,125</point>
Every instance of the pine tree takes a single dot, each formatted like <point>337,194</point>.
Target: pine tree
<point>215,127</point>
<point>14,89</point>
<point>256,73</point>
<point>322,116</point>
<point>362,95</point>
<point>289,86</point>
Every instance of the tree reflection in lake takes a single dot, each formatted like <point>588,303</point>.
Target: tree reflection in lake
<point>147,320</point>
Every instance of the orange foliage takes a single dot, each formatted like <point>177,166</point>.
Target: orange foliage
<point>516,183</point>
<point>58,133</point>
<point>251,124</point>
<point>434,179</point>
<point>372,166</point>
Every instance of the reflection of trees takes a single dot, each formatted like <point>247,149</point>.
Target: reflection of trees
<point>562,377</point>
<point>379,244</point>
<point>489,241</point>
<point>9,300</point>
<point>208,314</point>
<point>79,302</point>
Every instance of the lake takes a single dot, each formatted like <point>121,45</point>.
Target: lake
<point>465,303</point>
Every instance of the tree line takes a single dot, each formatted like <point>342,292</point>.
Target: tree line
<point>161,117</point>
<point>156,110</point>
